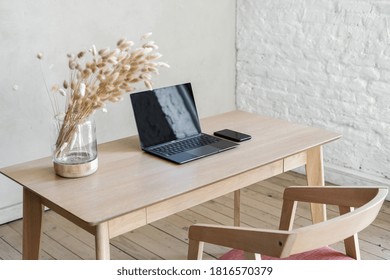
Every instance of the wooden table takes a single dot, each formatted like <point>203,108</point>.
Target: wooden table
<point>131,188</point>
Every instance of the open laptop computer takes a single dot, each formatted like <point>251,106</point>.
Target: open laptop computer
<point>168,125</point>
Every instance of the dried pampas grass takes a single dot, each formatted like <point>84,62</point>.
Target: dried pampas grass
<point>106,76</point>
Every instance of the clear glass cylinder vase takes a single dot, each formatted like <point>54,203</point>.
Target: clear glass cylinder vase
<point>74,147</point>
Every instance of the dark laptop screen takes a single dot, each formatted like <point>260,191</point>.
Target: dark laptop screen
<point>165,114</point>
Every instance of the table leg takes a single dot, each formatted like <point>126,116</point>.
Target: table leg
<point>351,244</point>
<point>102,242</point>
<point>32,225</point>
<point>315,177</point>
<point>237,207</point>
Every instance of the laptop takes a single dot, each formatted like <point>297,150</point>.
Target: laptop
<point>168,125</point>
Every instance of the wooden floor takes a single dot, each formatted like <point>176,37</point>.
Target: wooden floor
<point>167,238</point>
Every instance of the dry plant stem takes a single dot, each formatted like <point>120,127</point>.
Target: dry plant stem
<point>109,75</point>
<point>47,89</point>
<point>72,119</point>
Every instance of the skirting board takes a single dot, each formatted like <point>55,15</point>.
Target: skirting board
<point>343,176</point>
<point>11,213</point>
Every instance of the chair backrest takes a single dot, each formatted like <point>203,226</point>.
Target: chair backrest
<point>287,241</point>
<point>359,206</point>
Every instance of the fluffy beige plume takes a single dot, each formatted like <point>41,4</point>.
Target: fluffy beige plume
<point>99,76</point>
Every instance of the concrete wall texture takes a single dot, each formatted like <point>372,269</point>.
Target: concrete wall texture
<point>323,63</point>
<point>185,31</point>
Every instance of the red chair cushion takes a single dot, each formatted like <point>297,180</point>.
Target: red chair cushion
<point>324,253</point>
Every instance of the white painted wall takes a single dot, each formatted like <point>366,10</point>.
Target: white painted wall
<point>323,63</point>
<point>197,38</point>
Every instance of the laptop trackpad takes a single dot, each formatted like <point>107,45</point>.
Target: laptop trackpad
<point>205,150</point>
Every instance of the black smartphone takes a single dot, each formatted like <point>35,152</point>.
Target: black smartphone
<point>232,135</point>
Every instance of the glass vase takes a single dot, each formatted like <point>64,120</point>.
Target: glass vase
<point>74,147</point>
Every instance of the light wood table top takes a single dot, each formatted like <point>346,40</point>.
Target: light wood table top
<point>128,179</point>
<point>132,188</point>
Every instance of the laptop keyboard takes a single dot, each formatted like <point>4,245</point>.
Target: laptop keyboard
<point>185,145</point>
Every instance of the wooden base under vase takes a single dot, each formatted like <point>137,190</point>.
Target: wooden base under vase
<point>76,170</point>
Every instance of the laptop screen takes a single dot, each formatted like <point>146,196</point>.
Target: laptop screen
<point>165,114</point>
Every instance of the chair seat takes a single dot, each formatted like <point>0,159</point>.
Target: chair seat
<point>324,253</point>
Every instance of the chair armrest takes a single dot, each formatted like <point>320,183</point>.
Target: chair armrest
<point>261,241</point>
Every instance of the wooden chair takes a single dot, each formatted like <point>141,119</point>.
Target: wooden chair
<point>358,208</point>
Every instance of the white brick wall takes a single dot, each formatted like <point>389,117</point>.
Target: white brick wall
<point>324,63</point>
